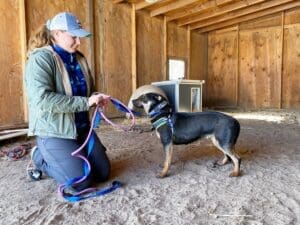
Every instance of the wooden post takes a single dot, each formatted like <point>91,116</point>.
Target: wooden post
<point>282,52</point>
<point>237,78</point>
<point>188,63</point>
<point>165,49</point>
<point>90,13</point>
<point>133,49</point>
<point>23,43</point>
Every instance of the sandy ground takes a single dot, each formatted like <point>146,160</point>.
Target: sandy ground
<point>268,192</point>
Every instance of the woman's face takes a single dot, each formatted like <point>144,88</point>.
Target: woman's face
<point>66,41</point>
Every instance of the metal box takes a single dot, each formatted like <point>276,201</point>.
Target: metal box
<point>184,95</point>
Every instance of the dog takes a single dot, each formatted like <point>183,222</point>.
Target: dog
<point>185,127</point>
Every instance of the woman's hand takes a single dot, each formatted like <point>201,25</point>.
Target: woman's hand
<point>99,99</point>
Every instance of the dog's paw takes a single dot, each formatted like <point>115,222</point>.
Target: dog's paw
<point>234,174</point>
<point>161,175</point>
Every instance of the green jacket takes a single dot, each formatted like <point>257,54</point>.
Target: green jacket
<point>51,105</point>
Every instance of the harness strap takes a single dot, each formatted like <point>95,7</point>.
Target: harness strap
<point>162,121</point>
<point>157,109</point>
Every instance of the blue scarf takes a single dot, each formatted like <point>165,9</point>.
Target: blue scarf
<point>78,83</point>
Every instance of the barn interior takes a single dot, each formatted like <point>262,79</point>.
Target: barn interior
<point>246,52</point>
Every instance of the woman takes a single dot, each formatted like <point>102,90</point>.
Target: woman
<point>58,85</point>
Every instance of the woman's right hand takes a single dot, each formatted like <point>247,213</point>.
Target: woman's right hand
<point>99,99</point>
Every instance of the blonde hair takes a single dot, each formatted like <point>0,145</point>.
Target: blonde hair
<point>40,38</point>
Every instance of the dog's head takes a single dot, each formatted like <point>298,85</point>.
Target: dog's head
<point>152,103</point>
<point>145,89</point>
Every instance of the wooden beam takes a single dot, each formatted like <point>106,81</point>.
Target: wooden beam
<point>250,17</point>
<point>22,19</point>
<point>218,11</point>
<point>188,44</point>
<point>165,50</point>
<point>202,6</point>
<point>133,49</point>
<point>171,6</point>
<point>90,17</point>
<point>259,10</point>
<point>144,4</point>
<point>282,52</point>
<point>237,76</point>
<point>118,1</point>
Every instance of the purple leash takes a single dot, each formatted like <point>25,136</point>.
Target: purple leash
<point>93,192</point>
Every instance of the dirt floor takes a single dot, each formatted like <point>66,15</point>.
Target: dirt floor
<point>268,192</point>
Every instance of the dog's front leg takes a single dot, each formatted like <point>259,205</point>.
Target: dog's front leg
<point>168,149</point>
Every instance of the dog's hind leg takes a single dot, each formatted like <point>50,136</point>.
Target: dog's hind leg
<point>229,154</point>
<point>236,162</point>
<point>168,149</point>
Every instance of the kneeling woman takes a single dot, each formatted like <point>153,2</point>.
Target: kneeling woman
<point>59,86</point>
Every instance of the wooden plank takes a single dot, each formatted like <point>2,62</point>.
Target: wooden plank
<point>13,135</point>
<point>282,49</point>
<point>117,51</point>
<point>171,6</point>
<point>177,43</point>
<point>218,11</point>
<point>188,53</point>
<point>133,49</point>
<point>260,68</point>
<point>150,43</point>
<point>198,60</point>
<point>91,39</point>
<point>118,1</point>
<point>144,4</point>
<point>200,8</point>
<point>23,49</point>
<point>12,61</point>
<point>242,12</point>
<point>273,20</point>
<point>291,68</point>
<point>255,15</point>
<point>165,50</point>
<point>222,64</point>
<point>237,75</point>
<point>292,16</point>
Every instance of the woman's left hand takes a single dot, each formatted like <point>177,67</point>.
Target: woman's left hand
<point>99,99</point>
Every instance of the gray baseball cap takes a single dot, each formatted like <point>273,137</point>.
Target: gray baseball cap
<point>67,22</point>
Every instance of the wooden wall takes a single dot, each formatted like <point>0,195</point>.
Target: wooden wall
<point>11,57</point>
<point>127,49</point>
<point>149,48</point>
<point>256,64</point>
<point>252,65</point>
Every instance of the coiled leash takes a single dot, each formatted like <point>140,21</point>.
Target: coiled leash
<point>75,196</point>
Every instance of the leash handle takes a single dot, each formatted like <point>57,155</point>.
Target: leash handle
<point>121,107</point>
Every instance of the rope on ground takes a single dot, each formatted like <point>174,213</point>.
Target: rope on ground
<point>17,152</point>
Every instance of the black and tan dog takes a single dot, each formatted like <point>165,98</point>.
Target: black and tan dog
<point>184,128</point>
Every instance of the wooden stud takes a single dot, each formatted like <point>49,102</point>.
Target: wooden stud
<point>165,49</point>
<point>23,43</point>
<point>237,81</point>
<point>242,12</point>
<point>172,6</point>
<point>215,10</point>
<point>188,66</point>
<point>255,15</point>
<point>133,49</point>
<point>282,52</point>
